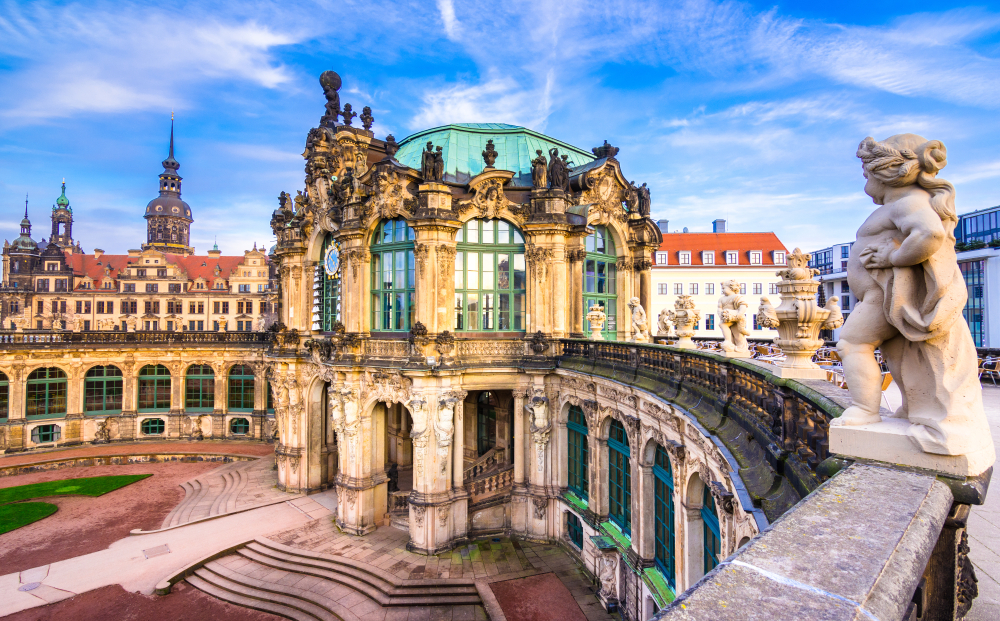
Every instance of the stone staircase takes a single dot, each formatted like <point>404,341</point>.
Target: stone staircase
<point>300,584</point>
<point>236,486</point>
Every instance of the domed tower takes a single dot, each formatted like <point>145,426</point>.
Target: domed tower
<point>62,222</point>
<point>168,218</point>
<point>20,257</point>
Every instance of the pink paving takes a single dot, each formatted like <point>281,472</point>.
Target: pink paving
<point>537,598</point>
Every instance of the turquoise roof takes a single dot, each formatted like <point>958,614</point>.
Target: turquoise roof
<point>464,143</point>
<point>62,202</point>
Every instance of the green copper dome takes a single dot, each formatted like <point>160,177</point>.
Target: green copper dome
<point>464,143</point>
<point>62,202</point>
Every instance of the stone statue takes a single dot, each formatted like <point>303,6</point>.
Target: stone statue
<point>911,294</point>
<point>330,81</point>
<point>767,317</point>
<point>596,318</point>
<point>348,114</point>
<point>640,328</point>
<point>490,154</point>
<point>539,171</point>
<point>664,325</point>
<point>131,321</point>
<point>301,202</point>
<point>390,146</point>
<point>558,174</point>
<point>685,316</point>
<point>103,434</point>
<point>366,118</point>
<point>644,201</point>
<point>631,197</point>
<point>733,321</point>
<point>427,162</point>
<point>439,164</point>
<point>836,318</point>
<point>336,409</point>
<point>537,410</point>
<point>444,427</point>
<point>608,575</point>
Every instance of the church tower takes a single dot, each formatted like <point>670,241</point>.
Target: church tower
<point>168,218</point>
<point>62,223</point>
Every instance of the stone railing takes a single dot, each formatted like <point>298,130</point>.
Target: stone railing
<point>399,502</point>
<point>777,429</point>
<point>45,338</point>
<point>487,461</point>
<point>491,485</point>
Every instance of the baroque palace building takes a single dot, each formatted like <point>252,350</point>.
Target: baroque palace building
<point>427,290</point>
<point>156,343</point>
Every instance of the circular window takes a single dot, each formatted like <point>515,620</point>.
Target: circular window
<point>159,208</point>
<point>176,210</point>
<point>239,426</point>
<point>153,426</point>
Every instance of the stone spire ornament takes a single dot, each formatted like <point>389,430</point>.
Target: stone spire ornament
<point>490,154</point>
<point>366,118</point>
<point>911,293</point>
<point>391,147</point>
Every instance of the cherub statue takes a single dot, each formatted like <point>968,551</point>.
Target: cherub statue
<point>664,324</point>
<point>640,327</point>
<point>330,81</point>
<point>767,316</point>
<point>733,320</point>
<point>911,292</point>
<point>836,318</point>
<point>539,171</point>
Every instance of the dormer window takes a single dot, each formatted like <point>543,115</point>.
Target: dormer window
<point>779,257</point>
<point>756,257</point>
<point>708,257</point>
<point>732,257</point>
<point>661,258</point>
<point>684,257</point>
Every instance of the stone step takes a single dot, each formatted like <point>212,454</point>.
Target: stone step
<point>249,597</point>
<point>213,493</point>
<point>192,489</point>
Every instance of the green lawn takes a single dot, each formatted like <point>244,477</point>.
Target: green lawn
<point>18,514</point>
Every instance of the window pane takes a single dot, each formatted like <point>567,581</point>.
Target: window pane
<point>472,306</point>
<point>473,228</point>
<point>488,234</point>
<point>459,312</point>
<point>472,271</point>
<point>519,311</point>
<point>503,315</point>
<point>503,232</point>
<point>591,287</point>
<point>459,270</point>
<point>503,269</point>
<point>488,268</point>
<point>601,284</point>
<point>518,271</point>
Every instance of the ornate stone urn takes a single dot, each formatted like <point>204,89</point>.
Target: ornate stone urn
<point>596,318</point>
<point>684,316</point>
<point>800,318</point>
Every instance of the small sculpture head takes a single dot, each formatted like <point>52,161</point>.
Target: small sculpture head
<point>907,159</point>
<point>633,302</point>
<point>730,287</point>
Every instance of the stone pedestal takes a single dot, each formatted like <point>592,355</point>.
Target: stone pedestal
<point>889,441</point>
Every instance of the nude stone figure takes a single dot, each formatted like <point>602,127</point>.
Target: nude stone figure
<point>733,321</point>
<point>910,298</point>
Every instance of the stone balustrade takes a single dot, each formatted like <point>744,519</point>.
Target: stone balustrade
<point>489,460</point>
<point>490,485</point>
<point>77,339</point>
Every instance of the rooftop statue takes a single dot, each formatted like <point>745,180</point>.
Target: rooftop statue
<point>439,164</point>
<point>539,171</point>
<point>605,150</point>
<point>558,172</point>
<point>330,81</point>
<point>348,114</point>
<point>911,294</point>
<point>644,201</point>
<point>490,154</point>
<point>366,118</point>
<point>390,146</point>
<point>427,162</point>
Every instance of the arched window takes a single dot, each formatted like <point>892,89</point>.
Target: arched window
<point>663,507</point>
<point>599,279</point>
<point>239,426</point>
<point>46,395</point>
<point>241,381</point>
<point>326,291</point>
<point>154,388</point>
<point>711,530</point>
<point>102,390</point>
<point>199,388</point>
<point>4,396</point>
<point>578,452</point>
<point>270,398</point>
<point>393,277</point>
<point>619,478</point>
<point>486,422</point>
<point>489,277</point>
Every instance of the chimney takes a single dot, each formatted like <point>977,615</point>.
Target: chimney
<point>663,225</point>
<point>719,226</point>
<point>98,253</point>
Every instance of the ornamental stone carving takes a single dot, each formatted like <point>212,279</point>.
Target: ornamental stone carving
<point>684,317</point>
<point>640,326</point>
<point>444,428</point>
<point>911,293</point>
<point>596,319</point>
<point>540,505</point>
<point>537,410</point>
<point>386,386</point>
<point>733,321</point>
<point>664,325</point>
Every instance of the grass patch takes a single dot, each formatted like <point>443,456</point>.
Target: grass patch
<point>21,514</point>
<point>89,486</point>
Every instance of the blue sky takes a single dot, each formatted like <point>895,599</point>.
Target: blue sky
<point>746,111</point>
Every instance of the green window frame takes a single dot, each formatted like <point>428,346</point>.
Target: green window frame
<point>578,453</point>
<point>490,277</point>
<point>711,539</point>
<point>241,388</point>
<point>103,388</point>
<point>600,279</point>
<point>327,286</point>
<point>199,388</point>
<point>619,478</point>
<point>239,426</point>
<point>46,392</point>
<point>153,427</point>
<point>46,433</point>
<point>4,396</point>
<point>154,388</point>
<point>663,506</point>
<point>574,528</point>
<point>393,276</point>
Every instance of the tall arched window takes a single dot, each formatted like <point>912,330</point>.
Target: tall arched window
<point>102,390</point>
<point>393,278</point>
<point>712,540</point>
<point>619,478</point>
<point>486,422</point>
<point>4,396</point>
<point>664,514</point>
<point>46,395</point>
<point>154,388</point>
<point>326,290</point>
<point>489,277</point>
<point>578,453</point>
<point>241,381</point>
<point>199,388</point>
<point>270,398</point>
<point>599,279</point>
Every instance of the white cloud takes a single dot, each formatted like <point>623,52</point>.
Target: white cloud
<point>986,170</point>
<point>451,24</point>
<point>498,99</point>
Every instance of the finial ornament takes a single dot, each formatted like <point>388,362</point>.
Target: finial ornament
<point>391,147</point>
<point>366,118</point>
<point>490,154</point>
<point>910,295</point>
<point>348,114</point>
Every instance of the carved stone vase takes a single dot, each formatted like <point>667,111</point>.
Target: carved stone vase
<point>596,317</point>
<point>684,317</point>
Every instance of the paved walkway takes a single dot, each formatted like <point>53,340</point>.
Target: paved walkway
<point>129,448</point>
<point>984,527</point>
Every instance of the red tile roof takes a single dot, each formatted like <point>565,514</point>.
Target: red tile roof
<point>696,243</point>
<point>89,265</point>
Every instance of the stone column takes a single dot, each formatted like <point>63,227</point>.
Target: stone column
<point>644,511</point>
<point>16,440</point>
<point>575,291</point>
<point>598,497</point>
<point>73,433</point>
<point>519,439</point>
<point>458,447</point>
